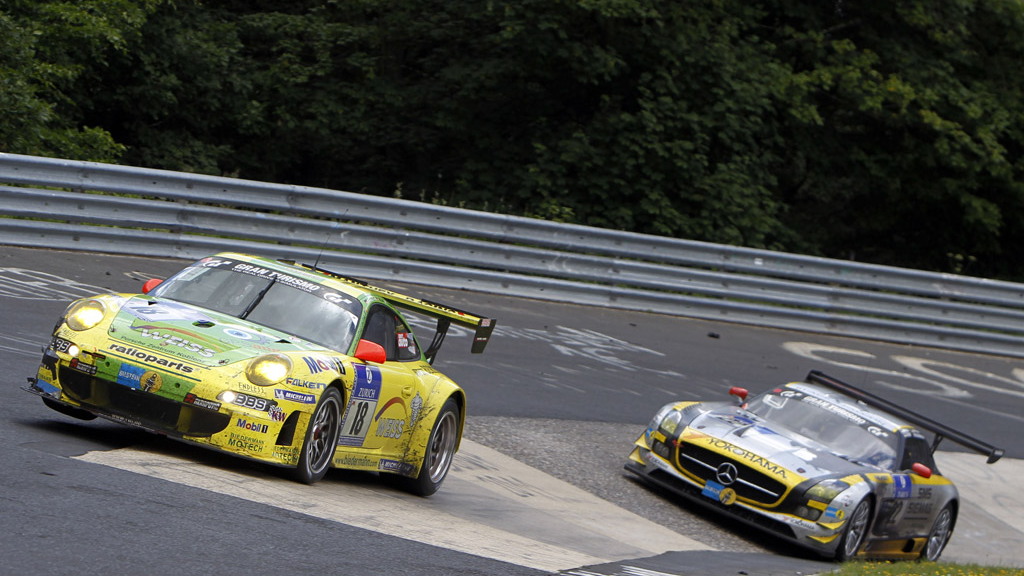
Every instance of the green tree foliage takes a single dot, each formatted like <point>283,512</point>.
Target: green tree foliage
<point>907,149</point>
<point>881,131</point>
<point>46,48</point>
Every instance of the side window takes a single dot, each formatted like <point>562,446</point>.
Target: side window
<point>384,327</point>
<point>917,450</point>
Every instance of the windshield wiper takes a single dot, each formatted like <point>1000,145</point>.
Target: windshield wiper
<point>259,298</point>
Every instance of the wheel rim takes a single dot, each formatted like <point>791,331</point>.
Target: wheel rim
<point>323,431</point>
<point>442,447</point>
<point>940,535</point>
<point>857,530</point>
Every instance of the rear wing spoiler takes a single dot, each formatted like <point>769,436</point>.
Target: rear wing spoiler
<point>941,431</point>
<point>445,315</point>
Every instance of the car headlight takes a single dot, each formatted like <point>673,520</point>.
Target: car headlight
<point>826,490</point>
<point>660,415</point>
<point>671,421</point>
<point>268,369</point>
<point>85,314</point>
<point>818,500</point>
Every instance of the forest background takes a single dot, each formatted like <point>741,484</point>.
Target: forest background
<point>885,131</point>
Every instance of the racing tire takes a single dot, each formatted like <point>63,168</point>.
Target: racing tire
<point>321,438</point>
<point>437,460</point>
<point>940,534</point>
<point>855,532</point>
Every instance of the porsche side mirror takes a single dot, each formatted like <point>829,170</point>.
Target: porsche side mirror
<point>150,284</point>
<point>370,352</point>
<point>921,470</point>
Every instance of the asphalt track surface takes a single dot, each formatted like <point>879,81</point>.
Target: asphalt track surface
<point>538,488</point>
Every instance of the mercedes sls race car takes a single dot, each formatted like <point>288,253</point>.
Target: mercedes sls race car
<point>819,463</point>
<point>275,361</point>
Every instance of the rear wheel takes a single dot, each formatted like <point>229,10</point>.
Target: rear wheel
<point>941,532</point>
<point>437,460</point>
<point>321,438</point>
<point>855,532</point>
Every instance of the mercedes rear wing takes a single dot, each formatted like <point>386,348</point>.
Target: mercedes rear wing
<point>482,326</point>
<point>941,431</point>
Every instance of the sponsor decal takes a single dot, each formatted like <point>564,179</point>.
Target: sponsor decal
<point>150,381</point>
<point>245,443</point>
<point>239,334</point>
<point>749,457</point>
<point>60,344</point>
<point>317,364</point>
<point>290,396</point>
<point>394,466</point>
<point>712,490</point>
<point>149,358</point>
<point>919,508</point>
<point>360,409</point>
<point>727,496</point>
<point>415,409</point>
<point>191,398</point>
<point>82,367</point>
<point>304,384</point>
<point>405,340</point>
<point>248,387</point>
<point>168,338</point>
<point>834,514</point>
<point>212,262</point>
<point>287,454</point>
<point>276,276</point>
<point>130,376</point>
<point>336,298</point>
<point>254,402</point>
<point>902,487</point>
<point>837,410</point>
<point>276,413</point>
<point>252,426</point>
<point>353,461</point>
<point>877,431</point>
<point>124,420</point>
<point>390,428</point>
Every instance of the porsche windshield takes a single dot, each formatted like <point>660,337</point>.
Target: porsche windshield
<point>268,298</point>
<point>842,432</point>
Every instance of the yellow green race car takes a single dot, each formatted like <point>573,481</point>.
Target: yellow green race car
<point>820,463</point>
<point>270,360</point>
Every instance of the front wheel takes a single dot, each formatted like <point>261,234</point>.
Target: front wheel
<point>855,532</point>
<point>942,530</point>
<point>321,438</point>
<point>437,460</point>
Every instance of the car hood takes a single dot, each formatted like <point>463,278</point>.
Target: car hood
<point>760,443</point>
<point>195,334</point>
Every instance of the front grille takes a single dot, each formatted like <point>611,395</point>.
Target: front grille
<point>765,522</point>
<point>752,484</point>
<point>149,410</point>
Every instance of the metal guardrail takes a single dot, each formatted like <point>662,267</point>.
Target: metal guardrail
<point>124,210</point>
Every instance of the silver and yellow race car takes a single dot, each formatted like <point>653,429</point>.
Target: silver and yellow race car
<point>820,463</point>
<point>270,360</point>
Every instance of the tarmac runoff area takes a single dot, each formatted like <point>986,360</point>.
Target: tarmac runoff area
<point>497,507</point>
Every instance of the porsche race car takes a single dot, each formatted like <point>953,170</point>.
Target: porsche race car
<point>275,361</point>
<point>820,463</point>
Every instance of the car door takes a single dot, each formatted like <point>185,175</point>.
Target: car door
<point>386,398</point>
<point>908,500</point>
